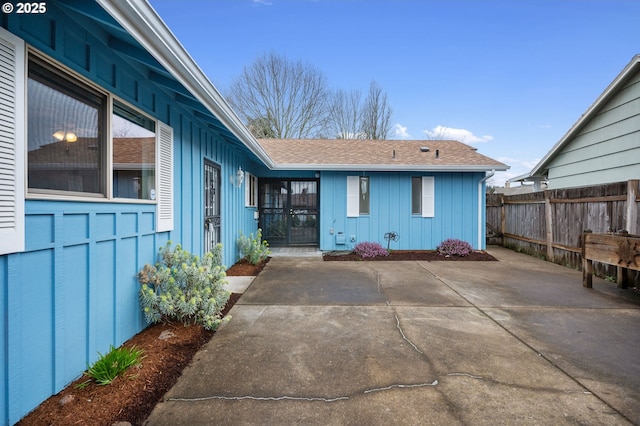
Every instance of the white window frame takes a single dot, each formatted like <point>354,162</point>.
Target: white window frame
<point>353,196</point>
<point>14,74</point>
<point>250,190</point>
<point>12,143</point>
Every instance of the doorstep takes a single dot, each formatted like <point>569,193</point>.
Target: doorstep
<point>239,284</point>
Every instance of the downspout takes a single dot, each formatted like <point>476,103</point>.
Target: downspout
<point>482,194</point>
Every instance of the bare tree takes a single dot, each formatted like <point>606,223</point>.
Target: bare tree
<point>261,128</point>
<point>289,99</point>
<point>376,114</point>
<point>345,114</point>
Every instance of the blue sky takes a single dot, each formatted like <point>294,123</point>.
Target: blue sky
<point>509,77</point>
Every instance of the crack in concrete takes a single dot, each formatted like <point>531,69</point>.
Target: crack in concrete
<point>301,398</point>
<point>417,385</point>
<point>405,337</point>
<point>466,375</point>
<point>259,398</point>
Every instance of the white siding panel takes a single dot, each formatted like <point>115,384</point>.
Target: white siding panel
<point>12,124</point>
<point>165,179</point>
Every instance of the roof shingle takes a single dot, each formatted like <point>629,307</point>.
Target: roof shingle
<point>376,154</point>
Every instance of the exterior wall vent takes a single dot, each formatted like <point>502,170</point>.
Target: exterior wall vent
<point>424,149</point>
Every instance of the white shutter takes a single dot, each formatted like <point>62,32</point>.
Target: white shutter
<point>428,196</point>
<point>164,212</point>
<point>12,143</point>
<point>353,196</point>
<point>248,189</point>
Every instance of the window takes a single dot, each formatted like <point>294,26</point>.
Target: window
<point>357,195</point>
<point>66,140</point>
<point>250,190</point>
<point>416,195</point>
<point>422,196</point>
<point>70,150</point>
<point>134,154</point>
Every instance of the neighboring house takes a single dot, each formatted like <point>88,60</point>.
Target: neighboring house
<point>336,193</point>
<point>603,146</point>
<point>113,142</point>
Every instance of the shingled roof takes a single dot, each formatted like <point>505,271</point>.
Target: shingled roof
<point>389,155</point>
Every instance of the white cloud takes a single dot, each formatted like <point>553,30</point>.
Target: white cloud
<point>400,132</point>
<point>461,135</point>
<point>263,2</point>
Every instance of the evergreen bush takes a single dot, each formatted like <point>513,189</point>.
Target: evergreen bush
<point>185,288</point>
<point>254,250</point>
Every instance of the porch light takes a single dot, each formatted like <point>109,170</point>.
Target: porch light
<point>238,178</point>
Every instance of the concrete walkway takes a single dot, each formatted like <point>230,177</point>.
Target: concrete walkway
<point>518,341</point>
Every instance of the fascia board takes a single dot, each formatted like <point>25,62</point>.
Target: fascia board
<point>143,23</point>
<point>632,66</point>
<point>389,168</point>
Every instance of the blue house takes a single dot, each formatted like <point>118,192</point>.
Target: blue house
<point>113,142</point>
<point>336,193</point>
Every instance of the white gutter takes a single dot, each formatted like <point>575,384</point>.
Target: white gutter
<point>390,167</point>
<point>140,20</point>
<point>481,197</point>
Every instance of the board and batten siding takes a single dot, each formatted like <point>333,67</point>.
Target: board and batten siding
<point>71,291</point>
<point>455,211</point>
<point>607,148</point>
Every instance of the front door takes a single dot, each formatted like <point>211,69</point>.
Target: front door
<point>211,205</point>
<point>289,211</point>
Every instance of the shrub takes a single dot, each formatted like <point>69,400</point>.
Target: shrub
<point>185,288</point>
<point>454,247</point>
<point>254,250</point>
<point>366,249</point>
<point>111,365</point>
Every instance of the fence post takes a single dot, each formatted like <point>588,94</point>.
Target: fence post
<point>503,220</point>
<point>548,216</point>
<point>632,211</point>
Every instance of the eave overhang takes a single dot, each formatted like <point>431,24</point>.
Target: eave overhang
<point>141,21</point>
<point>540,170</point>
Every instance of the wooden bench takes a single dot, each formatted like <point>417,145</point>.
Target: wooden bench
<point>620,249</point>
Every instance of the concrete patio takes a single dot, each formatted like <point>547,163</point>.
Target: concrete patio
<point>518,341</point>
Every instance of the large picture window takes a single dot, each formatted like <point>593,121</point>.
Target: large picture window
<point>69,150</point>
<point>66,140</point>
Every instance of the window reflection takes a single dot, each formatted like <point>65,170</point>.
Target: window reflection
<point>134,154</point>
<point>65,147</point>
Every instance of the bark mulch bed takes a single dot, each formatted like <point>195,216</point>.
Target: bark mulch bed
<point>430,255</point>
<point>132,397</point>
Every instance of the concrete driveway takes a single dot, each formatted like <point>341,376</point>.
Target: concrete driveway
<point>518,341</point>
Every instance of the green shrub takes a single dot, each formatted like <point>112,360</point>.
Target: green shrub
<point>185,288</point>
<point>111,365</point>
<point>254,250</point>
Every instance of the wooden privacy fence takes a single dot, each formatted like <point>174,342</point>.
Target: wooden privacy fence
<point>550,223</point>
